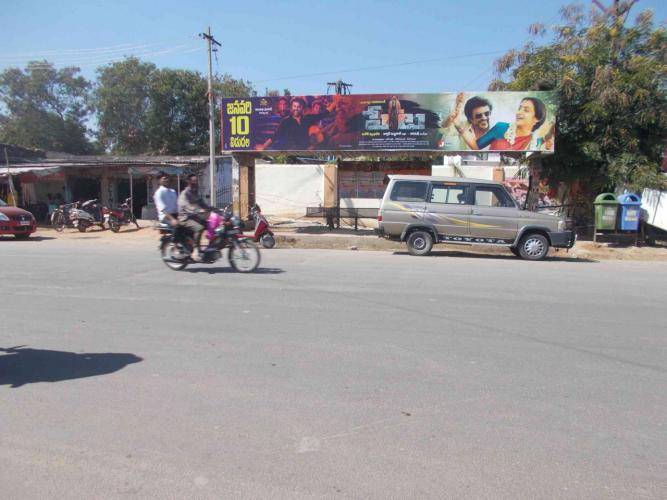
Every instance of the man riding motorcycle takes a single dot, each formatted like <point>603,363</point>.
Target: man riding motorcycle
<point>193,211</point>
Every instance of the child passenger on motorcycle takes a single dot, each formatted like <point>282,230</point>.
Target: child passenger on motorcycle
<point>193,210</point>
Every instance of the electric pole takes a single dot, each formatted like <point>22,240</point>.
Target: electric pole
<point>340,87</point>
<point>211,113</point>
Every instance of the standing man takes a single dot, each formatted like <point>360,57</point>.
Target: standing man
<point>165,199</point>
<point>192,209</point>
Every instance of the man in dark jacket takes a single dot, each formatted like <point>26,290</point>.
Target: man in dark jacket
<point>192,209</point>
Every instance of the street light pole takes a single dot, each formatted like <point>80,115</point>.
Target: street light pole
<point>211,114</point>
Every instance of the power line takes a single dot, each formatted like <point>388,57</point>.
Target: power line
<point>102,61</point>
<point>92,51</point>
<point>383,66</point>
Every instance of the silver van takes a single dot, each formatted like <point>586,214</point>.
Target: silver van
<point>423,210</point>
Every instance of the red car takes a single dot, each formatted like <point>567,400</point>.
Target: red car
<point>16,221</point>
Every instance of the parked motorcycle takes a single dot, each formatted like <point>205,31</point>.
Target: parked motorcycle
<point>263,233</point>
<point>60,217</point>
<point>223,231</point>
<point>87,214</point>
<point>117,217</point>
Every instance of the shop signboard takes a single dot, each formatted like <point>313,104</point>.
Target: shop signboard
<point>451,122</point>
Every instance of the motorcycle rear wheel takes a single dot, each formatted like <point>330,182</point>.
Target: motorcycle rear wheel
<point>175,264</point>
<point>81,227</point>
<point>244,256</point>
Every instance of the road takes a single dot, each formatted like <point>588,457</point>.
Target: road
<point>329,374</point>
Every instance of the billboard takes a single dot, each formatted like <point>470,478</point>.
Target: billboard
<point>463,122</point>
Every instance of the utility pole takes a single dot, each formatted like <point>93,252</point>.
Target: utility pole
<point>618,12</point>
<point>340,87</point>
<point>211,112</point>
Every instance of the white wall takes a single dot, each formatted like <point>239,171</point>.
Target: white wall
<point>473,172</point>
<point>285,191</point>
<point>654,208</point>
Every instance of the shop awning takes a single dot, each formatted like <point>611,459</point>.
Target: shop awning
<point>39,171</point>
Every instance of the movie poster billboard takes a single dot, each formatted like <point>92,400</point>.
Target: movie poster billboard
<point>463,122</point>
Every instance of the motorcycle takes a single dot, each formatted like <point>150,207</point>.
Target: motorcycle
<point>117,217</point>
<point>87,214</point>
<point>263,234</point>
<point>222,230</point>
<point>60,218</point>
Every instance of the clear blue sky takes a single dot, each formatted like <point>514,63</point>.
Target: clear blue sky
<point>266,41</point>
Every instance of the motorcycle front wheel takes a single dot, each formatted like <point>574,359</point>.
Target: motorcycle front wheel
<point>244,256</point>
<point>174,255</point>
<point>267,240</point>
<point>58,221</point>
<point>113,224</point>
<point>82,226</point>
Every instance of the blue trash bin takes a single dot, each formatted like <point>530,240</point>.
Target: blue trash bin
<point>630,210</point>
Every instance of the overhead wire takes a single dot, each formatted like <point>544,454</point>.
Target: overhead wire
<point>100,61</point>
<point>92,51</point>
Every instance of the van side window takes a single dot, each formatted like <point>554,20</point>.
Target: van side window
<point>409,191</point>
<point>492,196</point>
<point>449,194</point>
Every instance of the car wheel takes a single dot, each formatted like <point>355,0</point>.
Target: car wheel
<point>533,246</point>
<point>420,243</point>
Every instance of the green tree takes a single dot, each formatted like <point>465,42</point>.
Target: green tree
<point>45,108</point>
<point>122,100</point>
<point>145,110</point>
<point>609,76</point>
<point>177,113</point>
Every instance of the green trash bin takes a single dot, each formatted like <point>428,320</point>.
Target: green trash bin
<point>606,210</point>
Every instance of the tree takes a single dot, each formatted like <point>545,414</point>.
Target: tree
<point>177,113</point>
<point>45,108</point>
<point>122,99</point>
<point>609,76</point>
<point>145,110</point>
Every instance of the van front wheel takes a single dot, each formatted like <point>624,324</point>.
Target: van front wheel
<point>420,243</point>
<point>533,246</point>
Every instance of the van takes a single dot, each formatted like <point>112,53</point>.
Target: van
<point>425,210</point>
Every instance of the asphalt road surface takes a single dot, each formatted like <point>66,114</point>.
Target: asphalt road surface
<point>329,374</point>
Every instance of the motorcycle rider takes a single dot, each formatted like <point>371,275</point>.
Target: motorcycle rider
<point>165,199</point>
<point>193,210</point>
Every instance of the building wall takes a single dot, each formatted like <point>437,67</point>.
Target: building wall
<point>287,190</point>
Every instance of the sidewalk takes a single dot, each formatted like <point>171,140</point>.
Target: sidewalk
<point>320,237</point>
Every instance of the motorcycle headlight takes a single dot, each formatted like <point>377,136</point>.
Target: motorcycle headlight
<point>3,217</point>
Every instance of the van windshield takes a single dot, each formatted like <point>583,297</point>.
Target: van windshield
<point>409,191</point>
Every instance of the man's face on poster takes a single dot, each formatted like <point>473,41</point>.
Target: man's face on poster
<point>481,117</point>
<point>297,109</point>
<point>281,107</point>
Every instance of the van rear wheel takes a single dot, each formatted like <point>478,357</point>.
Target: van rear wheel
<point>420,243</point>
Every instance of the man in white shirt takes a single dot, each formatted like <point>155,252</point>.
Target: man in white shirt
<point>165,200</point>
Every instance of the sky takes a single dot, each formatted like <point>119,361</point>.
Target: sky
<point>378,46</point>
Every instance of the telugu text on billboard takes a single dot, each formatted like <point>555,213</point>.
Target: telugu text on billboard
<point>467,121</point>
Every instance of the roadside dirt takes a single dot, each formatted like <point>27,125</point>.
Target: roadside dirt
<point>348,239</point>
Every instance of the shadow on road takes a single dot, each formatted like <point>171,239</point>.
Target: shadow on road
<point>471,255</point>
<point>223,270</point>
<point>20,366</point>
<point>32,238</point>
<point>340,230</point>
